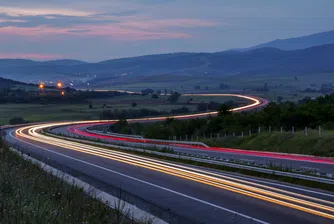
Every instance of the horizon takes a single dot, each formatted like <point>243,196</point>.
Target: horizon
<point>103,30</point>
<point>93,62</point>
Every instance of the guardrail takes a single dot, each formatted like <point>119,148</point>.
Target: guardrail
<point>155,141</point>
<point>215,162</point>
<point>115,134</point>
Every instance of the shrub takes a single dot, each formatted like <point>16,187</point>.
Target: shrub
<point>17,120</point>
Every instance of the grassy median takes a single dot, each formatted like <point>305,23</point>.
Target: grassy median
<point>299,143</point>
<point>30,195</point>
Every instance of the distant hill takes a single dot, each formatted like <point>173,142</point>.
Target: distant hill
<point>64,62</point>
<point>8,83</point>
<point>264,61</point>
<point>300,42</point>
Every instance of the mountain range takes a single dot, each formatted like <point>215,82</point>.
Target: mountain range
<point>274,58</point>
<point>300,42</point>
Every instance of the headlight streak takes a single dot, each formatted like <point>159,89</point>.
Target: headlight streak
<point>189,173</point>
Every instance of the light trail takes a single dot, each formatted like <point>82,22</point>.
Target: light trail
<point>288,199</point>
<point>294,157</point>
<point>255,103</point>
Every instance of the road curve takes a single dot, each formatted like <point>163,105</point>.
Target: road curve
<point>323,165</point>
<point>203,195</point>
<point>199,195</point>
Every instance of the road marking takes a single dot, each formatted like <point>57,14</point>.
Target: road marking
<point>145,182</point>
<point>266,182</point>
<point>277,184</point>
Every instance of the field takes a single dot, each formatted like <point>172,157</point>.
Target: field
<point>61,112</point>
<point>289,87</point>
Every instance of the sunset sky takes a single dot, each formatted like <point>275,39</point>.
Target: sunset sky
<point>95,30</point>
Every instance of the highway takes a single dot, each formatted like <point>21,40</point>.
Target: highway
<point>198,195</point>
<point>322,165</point>
<point>279,159</point>
<point>202,195</point>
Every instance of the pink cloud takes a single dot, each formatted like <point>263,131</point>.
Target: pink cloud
<point>12,21</point>
<point>109,31</point>
<point>141,29</point>
<point>31,31</point>
<point>35,56</point>
<point>15,11</point>
<point>168,23</point>
<point>120,32</point>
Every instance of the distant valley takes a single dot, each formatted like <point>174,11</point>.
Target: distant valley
<point>184,69</point>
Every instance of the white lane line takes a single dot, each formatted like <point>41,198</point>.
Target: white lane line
<point>277,184</point>
<point>147,183</point>
<point>266,182</point>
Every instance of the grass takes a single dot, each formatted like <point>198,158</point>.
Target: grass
<point>298,143</point>
<point>30,195</point>
<point>51,112</point>
<point>291,180</point>
<point>61,112</point>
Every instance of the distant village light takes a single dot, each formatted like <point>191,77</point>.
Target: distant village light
<point>59,84</point>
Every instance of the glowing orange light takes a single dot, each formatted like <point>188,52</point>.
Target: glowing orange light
<point>41,86</point>
<point>62,93</point>
<point>59,84</point>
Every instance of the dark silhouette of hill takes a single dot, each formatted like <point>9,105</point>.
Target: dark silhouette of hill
<point>300,42</point>
<point>8,83</point>
<point>267,61</point>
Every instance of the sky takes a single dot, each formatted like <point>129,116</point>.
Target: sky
<point>96,30</point>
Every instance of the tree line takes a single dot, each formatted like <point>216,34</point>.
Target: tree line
<point>8,95</point>
<point>305,113</point>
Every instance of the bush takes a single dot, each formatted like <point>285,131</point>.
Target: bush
<point>17,120</point>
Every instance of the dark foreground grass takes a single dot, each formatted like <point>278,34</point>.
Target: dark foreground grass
<point>30,195</point>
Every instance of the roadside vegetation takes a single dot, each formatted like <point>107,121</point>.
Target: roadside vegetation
<point>288,116</point>
<point>285,142</point>
<point>30,195</point>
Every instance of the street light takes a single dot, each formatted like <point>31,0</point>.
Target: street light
<point>41,86</point>
<point>62,93</point>
<point>59,84</point>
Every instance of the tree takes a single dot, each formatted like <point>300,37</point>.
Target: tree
<point>224,110</point>
<point>121,126</point>
<point>134,104</point>
<point>158,92</point>
<point>155,96</point>
<point>279,99</point>
<point>212,105</point>
<point>90,106</point>
<point>17,120</point>
<point>174,97</point>
<point>147,91</point>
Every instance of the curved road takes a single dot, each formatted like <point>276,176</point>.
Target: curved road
<point>200,195</point>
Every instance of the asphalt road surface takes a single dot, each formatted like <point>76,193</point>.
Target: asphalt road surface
<point>324,165</point>
<point>199,195</point>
